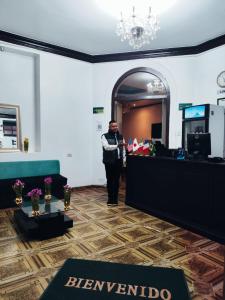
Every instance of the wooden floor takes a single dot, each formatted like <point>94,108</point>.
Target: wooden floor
<point>120,234</point>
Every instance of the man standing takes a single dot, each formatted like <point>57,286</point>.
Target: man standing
<point>113,157</point>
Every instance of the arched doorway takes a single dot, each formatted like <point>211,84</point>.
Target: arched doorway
<point>139,88</point>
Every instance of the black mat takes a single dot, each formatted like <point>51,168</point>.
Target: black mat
<point>96,280</point>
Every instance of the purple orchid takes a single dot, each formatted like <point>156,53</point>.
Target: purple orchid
<point>67,187</point>
<point>48,180</point>
<point>18,183</point>
<point>35,193</point>
<point>18,187</point>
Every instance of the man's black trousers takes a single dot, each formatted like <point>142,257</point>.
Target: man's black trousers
<point>113,172</point>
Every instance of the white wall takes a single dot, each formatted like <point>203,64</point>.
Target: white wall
<point>55,98</point>
<point>176,70</point>
<point>190,79</point>
<point>66,115</point>
<point>17,87</point>
<point>208,66</point>
<point>57,94</point>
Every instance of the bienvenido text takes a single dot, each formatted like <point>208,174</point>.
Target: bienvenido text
<point>119,288</point>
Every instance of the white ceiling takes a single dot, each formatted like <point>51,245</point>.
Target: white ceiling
<point>82,25</point>
<point>139,80</point>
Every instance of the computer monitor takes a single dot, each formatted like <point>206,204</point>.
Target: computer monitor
<point>199,145</point>
<point>195,112</point>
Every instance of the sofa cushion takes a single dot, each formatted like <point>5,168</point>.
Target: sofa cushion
<point>20,169</point>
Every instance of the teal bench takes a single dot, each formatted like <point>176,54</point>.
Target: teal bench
<point>32,173</point>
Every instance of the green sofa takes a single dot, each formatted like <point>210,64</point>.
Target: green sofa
<point>32,173</point>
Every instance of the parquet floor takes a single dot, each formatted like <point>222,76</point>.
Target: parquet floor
<point>121,234</point>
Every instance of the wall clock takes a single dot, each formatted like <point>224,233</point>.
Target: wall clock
<point>221,79</point>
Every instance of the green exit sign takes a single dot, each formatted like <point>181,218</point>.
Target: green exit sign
<point>184,105</point>
<point>98,110</point>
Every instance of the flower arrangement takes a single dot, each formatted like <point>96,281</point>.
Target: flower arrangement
<point>67,194</point>
<point>18,189</point>
<point>35,195</point>
<point>26,144</point>
<point>48,182</point>
<point>67,189</point>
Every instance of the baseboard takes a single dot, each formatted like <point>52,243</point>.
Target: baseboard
<point>87,186</point>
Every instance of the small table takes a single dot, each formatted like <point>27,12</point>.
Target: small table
<point>51,222</point>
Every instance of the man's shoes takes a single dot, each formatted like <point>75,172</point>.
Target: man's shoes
<point>112,204</point>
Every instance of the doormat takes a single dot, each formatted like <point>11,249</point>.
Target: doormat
<point>96,280</point>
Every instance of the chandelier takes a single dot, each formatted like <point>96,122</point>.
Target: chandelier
<point>136,30</point>
<point>155,86</point>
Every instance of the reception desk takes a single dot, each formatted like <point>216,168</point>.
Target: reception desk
<point>190,194</point>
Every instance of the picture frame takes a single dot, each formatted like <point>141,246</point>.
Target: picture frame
<point>10,130</point>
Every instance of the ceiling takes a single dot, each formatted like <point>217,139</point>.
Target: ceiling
<point>82,25</point>
<point>130,106</point>
<point>139,80</point>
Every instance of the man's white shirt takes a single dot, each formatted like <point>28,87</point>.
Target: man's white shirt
<point>109,147</point>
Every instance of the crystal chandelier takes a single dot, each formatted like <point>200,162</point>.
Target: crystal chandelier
<point>136,30</point>
<point>155,86</point>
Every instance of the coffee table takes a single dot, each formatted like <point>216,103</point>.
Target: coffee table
<point>51,222</point>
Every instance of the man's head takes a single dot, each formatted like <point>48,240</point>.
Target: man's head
<point>113,127</point>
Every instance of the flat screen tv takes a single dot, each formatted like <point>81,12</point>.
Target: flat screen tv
<point>199,144</point>
<point>157,131</point>
<point>195,112</point>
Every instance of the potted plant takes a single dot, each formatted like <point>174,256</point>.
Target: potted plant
<point>35,197</point>
<point>48,186</point>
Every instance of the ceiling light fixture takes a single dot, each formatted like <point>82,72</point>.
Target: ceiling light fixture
<point>138,31</point>
<point>155,86</point>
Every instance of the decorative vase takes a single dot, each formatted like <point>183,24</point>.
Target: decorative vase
<point>26,145</point>
<point>67,195</point>
<point>35,205</point>
<point>19,200</point>
<point>48,195</point>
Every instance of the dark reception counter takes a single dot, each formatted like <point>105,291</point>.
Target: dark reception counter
<point>190,194</point>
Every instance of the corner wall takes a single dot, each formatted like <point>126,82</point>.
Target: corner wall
<point>59,94</point>
<point>191,79</point>
<point>55,98</point>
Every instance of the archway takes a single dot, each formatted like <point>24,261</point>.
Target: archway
<point>144,87</point>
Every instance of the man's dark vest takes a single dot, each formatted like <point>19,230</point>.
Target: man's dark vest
<point>110,157</point>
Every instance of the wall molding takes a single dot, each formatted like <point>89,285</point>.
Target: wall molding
<point>38,45</point>
<point>27,42</point>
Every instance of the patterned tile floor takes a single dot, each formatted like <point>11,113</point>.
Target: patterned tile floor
<point>119,234</point>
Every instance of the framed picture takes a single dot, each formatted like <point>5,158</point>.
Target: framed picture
<point>221,101</point>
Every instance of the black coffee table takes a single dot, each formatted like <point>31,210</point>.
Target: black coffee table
<point>51,222</point>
